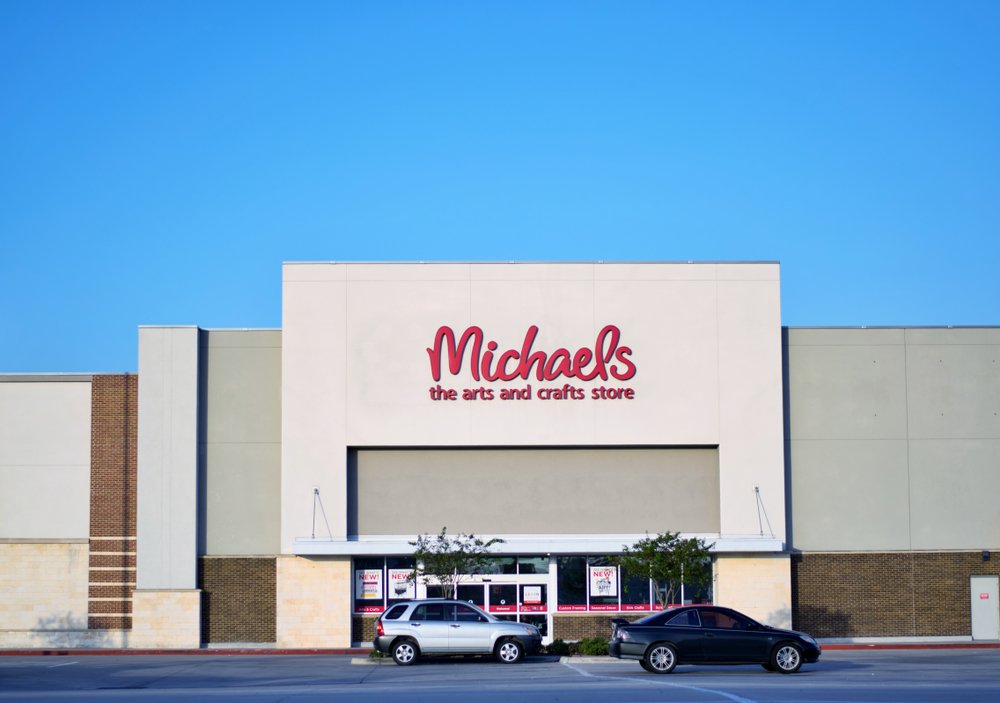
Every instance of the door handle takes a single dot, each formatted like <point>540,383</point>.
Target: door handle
<point>415,624</point>
<point>456,625</point>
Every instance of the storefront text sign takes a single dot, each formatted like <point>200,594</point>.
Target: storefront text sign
<point>607,361</point>
<point>603,581</point>
<point>401,584</point>
<point>368,584</point>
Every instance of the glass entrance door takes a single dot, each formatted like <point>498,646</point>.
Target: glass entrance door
<point>502,598</point>
<point>474,593</point>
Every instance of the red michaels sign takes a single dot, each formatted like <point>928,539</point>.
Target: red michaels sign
<point>606,360</point>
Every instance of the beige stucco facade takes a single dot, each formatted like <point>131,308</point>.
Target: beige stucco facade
<point>373,395</point>
<point>705,342</point>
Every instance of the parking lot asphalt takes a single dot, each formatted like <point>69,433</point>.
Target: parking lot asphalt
<point>863,676</point>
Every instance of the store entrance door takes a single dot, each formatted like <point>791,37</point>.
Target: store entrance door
<point>502,600</point>
<point>472,593</point>
<point>524,601</point>
<point>985,598</point>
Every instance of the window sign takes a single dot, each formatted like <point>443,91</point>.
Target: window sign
<point>368,584</point>
<point>533,599</point>
<point>532,595</point>
<point>400,584</point>
<point>603,581</point>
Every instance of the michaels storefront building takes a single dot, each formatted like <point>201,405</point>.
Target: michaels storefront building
<point>265,485</point>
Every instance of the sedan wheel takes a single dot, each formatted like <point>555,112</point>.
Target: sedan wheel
<point>661,659</point>
<point>787,658</point>
<point>509,651</point>
<point>404,653</point>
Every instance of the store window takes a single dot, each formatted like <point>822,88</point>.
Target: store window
<point>498,565</point>
<point>472,593</point>
<point>399,573</point>
<point>602,581</point>
<point>369,581</point>
<point>532,565</point>
<point>635,592</point>
<point>572,583</point>
<point>503,598</point>
<point>534,598</point>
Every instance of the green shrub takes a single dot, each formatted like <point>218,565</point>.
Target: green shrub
<point>593,646</point>
<point>558,648</point>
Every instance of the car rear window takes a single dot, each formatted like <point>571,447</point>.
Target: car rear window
<point>430,611</point>
<point>395,612</point>
<point>689,618</point>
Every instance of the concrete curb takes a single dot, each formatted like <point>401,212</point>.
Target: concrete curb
<point>177,652</point>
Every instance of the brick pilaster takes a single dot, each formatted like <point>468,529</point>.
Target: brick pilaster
<point>112,500</point>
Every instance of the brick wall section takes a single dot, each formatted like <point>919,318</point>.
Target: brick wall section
<point>908,594</point>
<point>238,602</point>
<point>570,628</point>
<point>363,628</point>
<point>112,500</point>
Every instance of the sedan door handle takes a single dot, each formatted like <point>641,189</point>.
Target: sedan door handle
<point>456,625</point>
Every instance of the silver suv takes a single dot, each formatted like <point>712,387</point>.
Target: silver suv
<point>408,630</point>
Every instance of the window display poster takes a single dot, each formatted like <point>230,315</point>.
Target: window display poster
<point>368,584</point>
<point>532,595</point>
<point>603,581</point>
<point>400,585</point>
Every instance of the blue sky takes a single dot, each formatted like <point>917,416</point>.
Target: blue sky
<point>161,159</point>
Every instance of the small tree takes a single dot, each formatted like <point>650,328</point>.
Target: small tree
<point>669,561</point>
<point>449,558</point>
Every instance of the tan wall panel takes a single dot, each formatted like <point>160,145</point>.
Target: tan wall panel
<point>953,391</point>
<point>240,415</point>
<point>43,586</point>
<point>313,602</point>
<point>847,390</point>
<point>955,487</point>
<point>850,495</point>
<point>894,438</point>
<point>45,459</point>
<point>497,491</point>
<point>757,586</point>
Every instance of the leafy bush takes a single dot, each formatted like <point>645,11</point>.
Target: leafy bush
<point>593,646</point>
<point>558,648</point>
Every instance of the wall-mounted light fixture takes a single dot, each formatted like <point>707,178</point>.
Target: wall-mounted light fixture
<point>986,555</point>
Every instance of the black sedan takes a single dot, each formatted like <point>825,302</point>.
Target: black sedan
<point>709,635</point>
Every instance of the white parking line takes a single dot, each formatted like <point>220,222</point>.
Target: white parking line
<point>55,666</point>
<point>659,682</point>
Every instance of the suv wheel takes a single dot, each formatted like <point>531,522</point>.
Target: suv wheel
<point>509,651</point>
<point>404,652</point>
